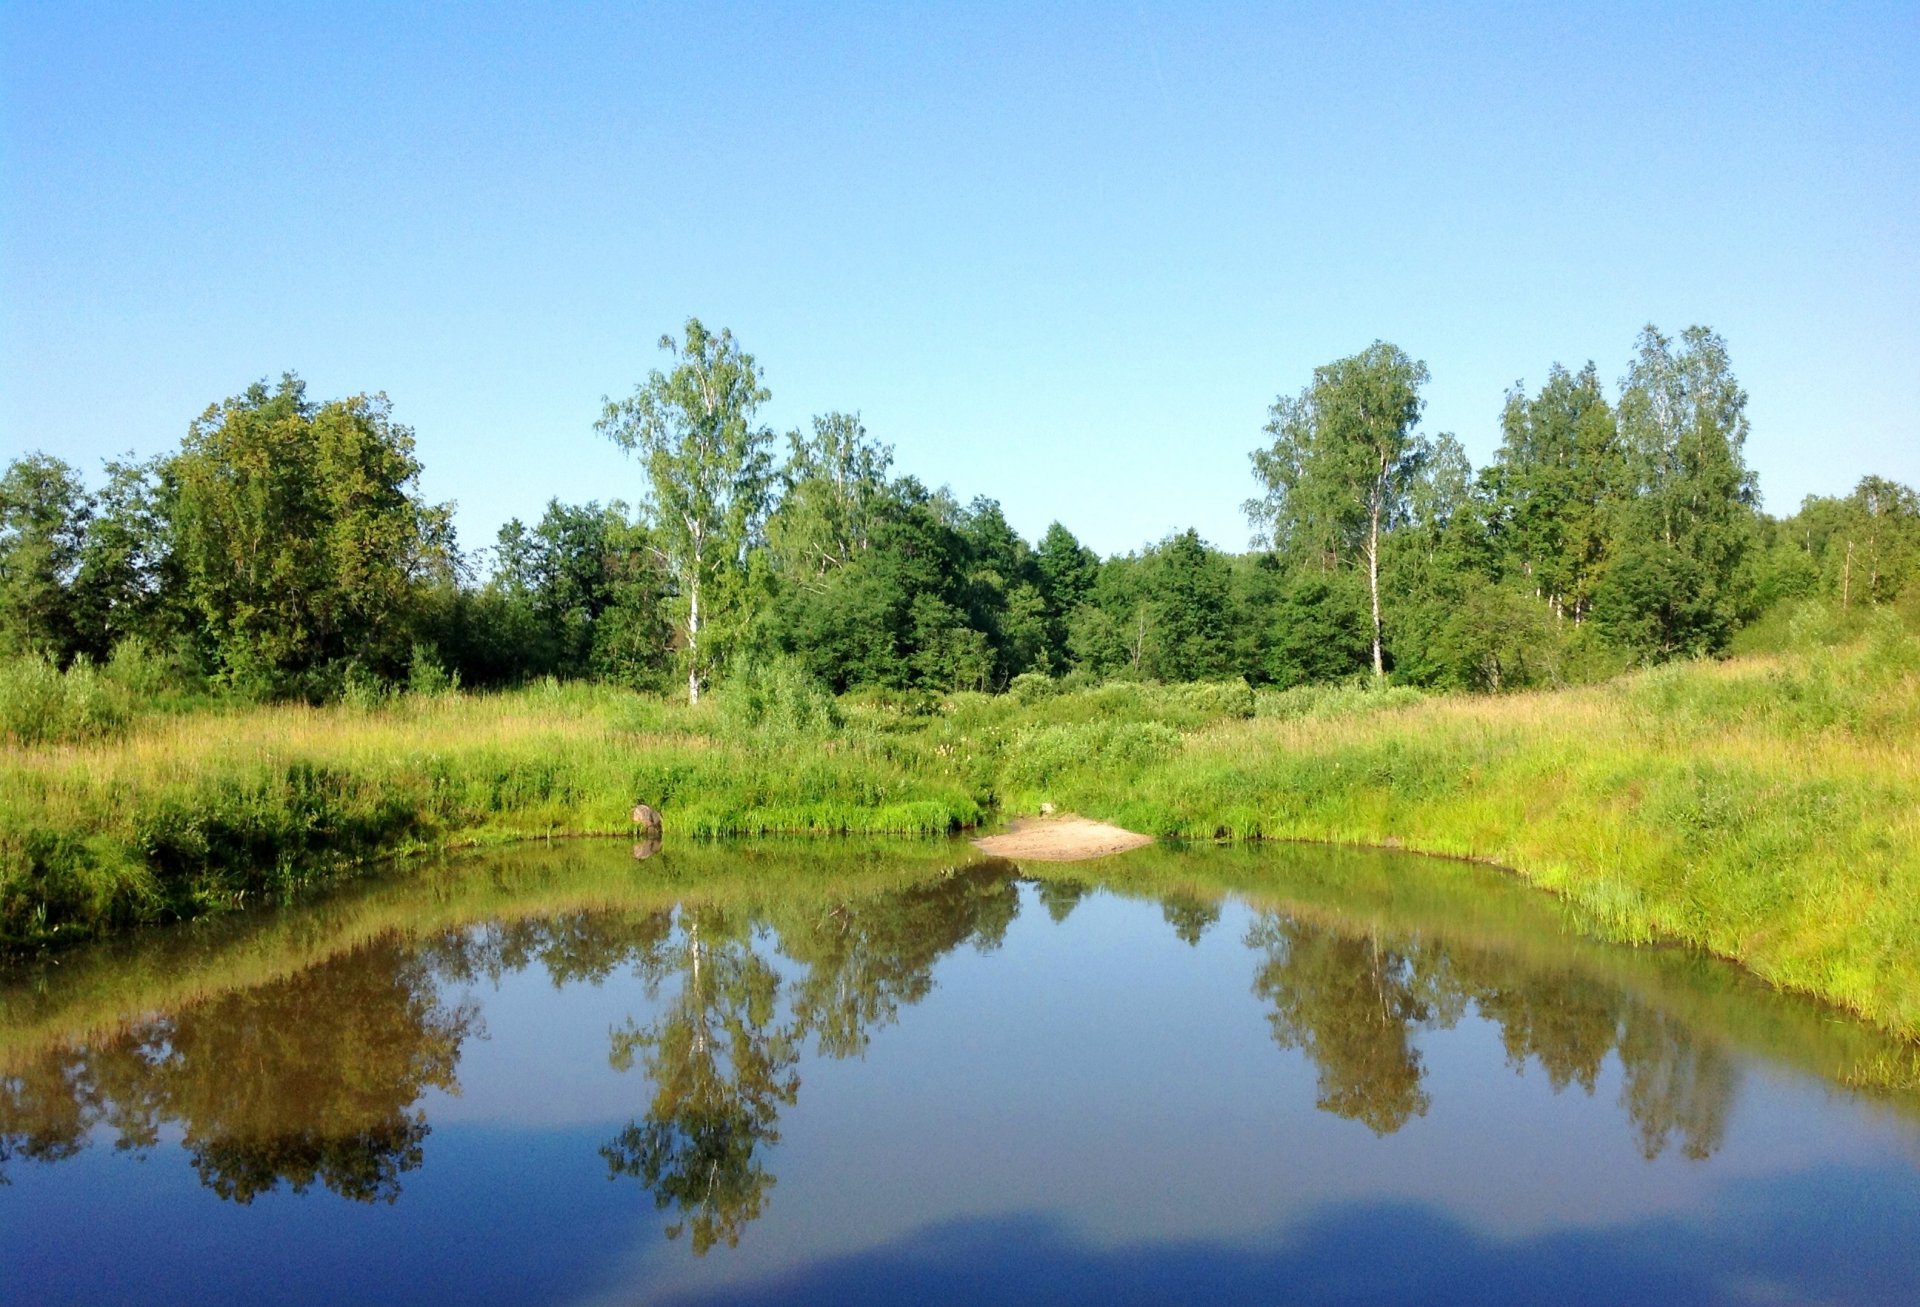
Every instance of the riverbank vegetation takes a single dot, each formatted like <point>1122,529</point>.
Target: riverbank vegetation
<point>261,661</point>
<point>1764,808</point>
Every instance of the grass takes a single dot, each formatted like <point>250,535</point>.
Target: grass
<point>1765,809</point>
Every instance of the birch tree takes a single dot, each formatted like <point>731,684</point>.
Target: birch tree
<point>1343,458</point>
<point>708,470</point>
<point>1672,581</point>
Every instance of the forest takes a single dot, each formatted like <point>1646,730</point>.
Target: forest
<point>284,552</point>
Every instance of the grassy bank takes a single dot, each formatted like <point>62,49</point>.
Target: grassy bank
<point>1767,809</point>
<point>215,809</point>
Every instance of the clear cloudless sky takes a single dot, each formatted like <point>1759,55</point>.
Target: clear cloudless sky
<point>1062,255</point>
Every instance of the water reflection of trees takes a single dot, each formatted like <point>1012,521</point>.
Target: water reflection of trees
<point>314,1078</point>
<point>1351,1006</point>
<point>721,1052</point>
<point>1354,1004</point>
<point>317,1079</point>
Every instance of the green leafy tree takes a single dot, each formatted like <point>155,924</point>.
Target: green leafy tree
<point>1555,486</point>
<point>44,512</point>
<point>708,471</point>
<point>896,614</point>
<point>1342,460</point>
<point>585,591</point>
<point>126,586</point>
<point>1186,587</point>
<point>835,480</point>
<point>1672,584</point>
<point>1004,602</point>
<point>1066,572</point>
<point>1873,548</point>
<point>300,536</point>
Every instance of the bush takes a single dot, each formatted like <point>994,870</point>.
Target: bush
<point>39,704</point>
<point>427,675</point>
<point>1039,756</point>
<point>779,697</point>
<point>139,669</point>
<point>1031,687</point>
<point>361,690</point>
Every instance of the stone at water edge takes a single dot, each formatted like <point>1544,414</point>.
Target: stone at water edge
<point>648,819</point>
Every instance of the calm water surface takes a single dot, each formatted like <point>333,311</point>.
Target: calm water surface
<point>902,1073</point>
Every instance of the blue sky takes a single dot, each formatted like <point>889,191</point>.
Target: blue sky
<point>1065,255</point>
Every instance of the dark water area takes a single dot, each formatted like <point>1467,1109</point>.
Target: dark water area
<point>881,1073</point>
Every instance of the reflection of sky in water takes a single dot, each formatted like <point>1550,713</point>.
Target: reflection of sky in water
<point>1127,1087</point>
<point>1094,1107</point>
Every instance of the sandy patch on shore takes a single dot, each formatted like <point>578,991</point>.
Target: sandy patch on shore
<point>1066,838</point>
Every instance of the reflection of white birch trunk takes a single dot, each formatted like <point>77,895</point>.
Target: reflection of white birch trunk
<point>699,1004</point>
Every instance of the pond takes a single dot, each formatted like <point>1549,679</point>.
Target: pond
<point>850,1072</point>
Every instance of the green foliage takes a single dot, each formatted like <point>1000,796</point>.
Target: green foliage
<point>708,474</point>
<point>427,675</point>
<point>301,542</point>
<point>127,587</point>
<point>43,522</point>
<point>780,699</point>
<point>835,481</point>
<point>1554,487</point>
<point>1318,629</point>
<point>1342,466</point>
<point>139,669</point>
<point>40,704</point>
<point>1031,687</point>
<point>1671,587</point>
<point>581,593</point>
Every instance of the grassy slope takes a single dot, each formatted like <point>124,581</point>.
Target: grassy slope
<point>1767,810</point>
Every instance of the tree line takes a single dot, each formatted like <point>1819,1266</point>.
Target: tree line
<point>285,550</point>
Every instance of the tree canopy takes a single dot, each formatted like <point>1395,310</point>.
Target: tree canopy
<point>285,549</point>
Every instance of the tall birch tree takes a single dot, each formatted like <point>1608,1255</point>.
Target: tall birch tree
<point>1343,459</point>
<point>708,469</point>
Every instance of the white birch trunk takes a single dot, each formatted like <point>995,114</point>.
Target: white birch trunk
<point>1373,566</point>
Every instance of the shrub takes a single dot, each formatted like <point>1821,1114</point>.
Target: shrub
<point>39,704</point>
<point>779,697</point>
<point>1039,756</point>
<point>427,675</point>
